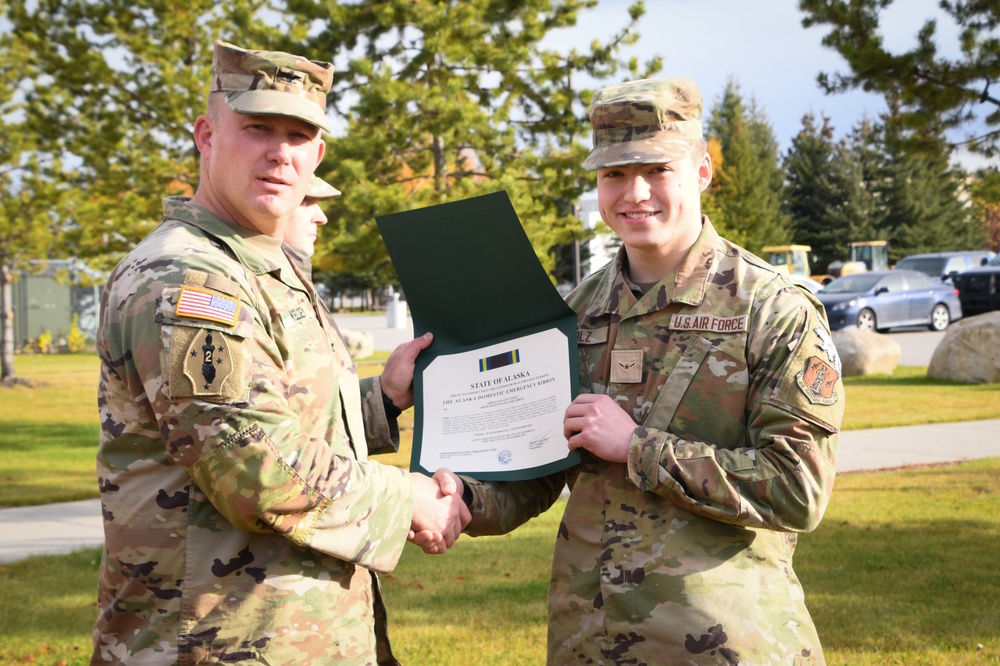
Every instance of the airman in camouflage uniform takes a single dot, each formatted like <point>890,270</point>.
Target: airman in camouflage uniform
<point>243,520</point>
<point>708,428</point>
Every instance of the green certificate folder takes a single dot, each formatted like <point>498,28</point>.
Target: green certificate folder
<point>491,390</point>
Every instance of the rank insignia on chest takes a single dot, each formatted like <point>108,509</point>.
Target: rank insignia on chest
<point>817,381</point>
<point>203,304</point>
<point>626,366</point>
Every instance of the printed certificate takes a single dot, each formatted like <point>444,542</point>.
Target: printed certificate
<point>491,391</point>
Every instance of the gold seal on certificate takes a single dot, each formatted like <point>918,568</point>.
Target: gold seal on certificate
<point>491,391</point>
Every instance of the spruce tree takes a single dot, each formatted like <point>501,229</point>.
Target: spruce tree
<point>937,92</point>
<point>926,211</point>
<point>748,184</point>
<point>828,191</point>
<point>813,192</point>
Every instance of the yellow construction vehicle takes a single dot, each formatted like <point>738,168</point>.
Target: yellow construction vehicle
<point>864,256</point>
<point>792,260</point>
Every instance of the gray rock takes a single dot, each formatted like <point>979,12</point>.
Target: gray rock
<point>360,344</point>
<point>970,351</point>
<point>866,353</point>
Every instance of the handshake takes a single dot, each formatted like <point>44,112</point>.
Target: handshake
<point>439,514</point>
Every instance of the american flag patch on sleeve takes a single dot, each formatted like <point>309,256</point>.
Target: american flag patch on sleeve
<point>209,305</point>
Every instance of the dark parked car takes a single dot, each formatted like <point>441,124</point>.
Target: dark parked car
<point>943,265</point>
<point>979,288</point>
<point>882,300</point>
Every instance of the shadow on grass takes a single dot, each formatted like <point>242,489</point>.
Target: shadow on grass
<point>32,435</point>
<point>886,380</point>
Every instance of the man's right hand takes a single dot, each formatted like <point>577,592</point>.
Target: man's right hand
<point>439,514</point>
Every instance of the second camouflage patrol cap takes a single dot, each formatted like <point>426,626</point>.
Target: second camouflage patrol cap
<point>649,121</point>
<point>272,83</point>
<point>320,189</point>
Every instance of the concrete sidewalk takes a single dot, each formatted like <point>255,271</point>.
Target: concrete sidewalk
<point>63,528</point>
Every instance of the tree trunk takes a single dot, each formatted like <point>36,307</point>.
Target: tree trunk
<point>440,164</point>
<point>7,323</point>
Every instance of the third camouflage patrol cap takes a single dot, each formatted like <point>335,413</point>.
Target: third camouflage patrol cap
<point>272,83</point>
<point>649,121</point>
<point>321,190</point>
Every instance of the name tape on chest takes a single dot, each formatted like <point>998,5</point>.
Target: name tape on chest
<point>711,323</point>
<point>204,304</point>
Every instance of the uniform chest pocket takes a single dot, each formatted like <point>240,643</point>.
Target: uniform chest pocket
<point>592,348</point>
<point>704,396</point>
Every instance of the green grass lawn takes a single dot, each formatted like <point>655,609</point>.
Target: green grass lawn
<point>49,433</point>
<point>900,572</point>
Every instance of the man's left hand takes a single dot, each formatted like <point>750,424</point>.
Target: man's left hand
<point>397,377</point>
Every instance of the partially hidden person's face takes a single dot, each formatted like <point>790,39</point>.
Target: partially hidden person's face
<point>655,208</point>
<point>304,225</point>
<point>259,166</point>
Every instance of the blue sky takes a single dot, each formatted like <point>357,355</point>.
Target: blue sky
<point>763,46</point>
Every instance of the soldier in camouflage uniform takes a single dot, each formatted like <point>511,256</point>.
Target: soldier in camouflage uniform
<point>303,225</point>
<point>243,520</point>
<point>708,426</point>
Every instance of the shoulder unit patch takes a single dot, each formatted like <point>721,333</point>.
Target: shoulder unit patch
<point>817,381</point>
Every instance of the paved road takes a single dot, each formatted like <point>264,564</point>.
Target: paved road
<point>385,338</point>
<point>917,344</point>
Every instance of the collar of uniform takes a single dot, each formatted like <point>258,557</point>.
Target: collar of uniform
<point>299,259</point>
<point>257,252</point>
<point>686,284</point>
<point>692,276</point>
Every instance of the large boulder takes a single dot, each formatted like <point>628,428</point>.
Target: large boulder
<point>865,352</point>
<point>360,344</point>
<point>970,351</point>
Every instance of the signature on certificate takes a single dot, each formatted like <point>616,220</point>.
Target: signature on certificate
<point>539,442</point>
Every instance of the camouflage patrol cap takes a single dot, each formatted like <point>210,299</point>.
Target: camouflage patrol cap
<point>649,121</point>
<point>320,189</point>
<point>272,83</point>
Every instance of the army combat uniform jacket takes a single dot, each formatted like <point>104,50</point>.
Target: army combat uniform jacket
<point>243,521</point>
<point>684,554</point>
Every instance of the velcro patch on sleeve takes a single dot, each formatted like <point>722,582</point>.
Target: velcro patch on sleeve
<point>209,305</point>
<point>206,363</point>
<point>818,381</point>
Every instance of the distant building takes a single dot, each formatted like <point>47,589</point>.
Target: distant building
<point>47,301</point>
<point>603,247</point>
